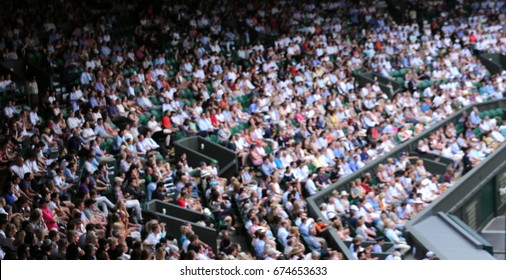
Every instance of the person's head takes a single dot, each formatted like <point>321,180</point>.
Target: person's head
<point>72,236</point>
<point>430,255</point>
<point>90,203</point>
<point>160,252</point>
<point>160,186</point>
<point>44,204</point>
<point>19,161</point>
<point>391,225</point>
<point>234,249</point>
<point>54,235</point>
<point>154,227</point>
<point>315,255</point>
<point>90,250</point>
<point>55,197</point>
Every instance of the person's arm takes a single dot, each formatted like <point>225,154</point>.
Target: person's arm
<point>31,192</point>
<point>25,195</point>
<point>147,243</point>
<point>370,232</point>
<point>97,188</point>
<point>318,184</point>
<point>65,187</point>
<point>102,183</point>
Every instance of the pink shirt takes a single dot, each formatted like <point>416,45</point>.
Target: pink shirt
<point>48,219</point>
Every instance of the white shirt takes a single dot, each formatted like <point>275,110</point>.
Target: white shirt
<point>87,132</point>
<point>311,187</point>
<point>34,118</point>
<point>149,142</point>
<point>9,111</point>
<point>153,126</point>
<point>20,171</point>
<point>72,123</point>
<point>31,166</point>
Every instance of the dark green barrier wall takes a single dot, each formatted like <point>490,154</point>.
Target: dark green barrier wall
<point>199,149</point>
<point>501,184</point>
<point>478,210</point>
<point>175,217</point>
<point>371,78</point>
<point>494,62</point>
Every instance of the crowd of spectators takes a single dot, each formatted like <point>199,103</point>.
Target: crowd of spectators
<point>273,81</point>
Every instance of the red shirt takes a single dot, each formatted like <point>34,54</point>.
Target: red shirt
<point>48,219</point>
<point>378,45</point>
<point>181,202</point>
<point>139,54</point>
<point>375,133</point>
<point>293,70</point>
<point>472,39</point>
<point>214,120</point>
<point>166,122</point>
<point>366,187</point>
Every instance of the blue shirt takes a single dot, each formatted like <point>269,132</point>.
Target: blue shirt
<point>150,189</point>
<point>253,108</point>
<point>105,50</point>
<point>353,165</point>
<point>10,198</point>
<point>490,89</point>
<point>474,118</point>
<point>159,61</point>
<point>267,169</point>
<point>93,102</point>
<point>68,175</point>
<point>113,110</point>
<point>99,86</point>
<point>118,141</point>
<point>401,212</point>
<point>374,203</point>
<point>259,248</point>
<point>392,236</point>
<point>338,152</point>
<point>352,248</point>
<point>377,249</point>
<point>100,131</point>
<point>282,235</point>
<point>93,182</point>
<point>364,156</point>
<point>304,230</point>
<point>278,162</point>
<point>98,152</point>
<point>313,243</point>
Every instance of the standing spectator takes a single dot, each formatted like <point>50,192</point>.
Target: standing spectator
<point>33,92</point>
